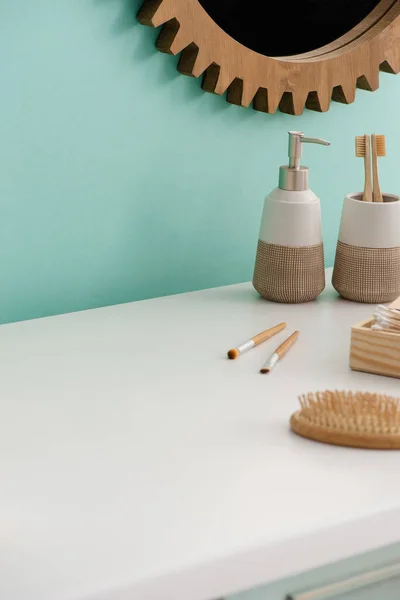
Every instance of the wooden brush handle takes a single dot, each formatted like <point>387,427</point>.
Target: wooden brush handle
<point>287,344</point>
<point>268,333</point>
<point>376,194</point>
<point>367,196</point>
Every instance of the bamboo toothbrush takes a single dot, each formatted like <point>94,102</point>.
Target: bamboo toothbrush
<point>378,149</point>
<point>363,150</point>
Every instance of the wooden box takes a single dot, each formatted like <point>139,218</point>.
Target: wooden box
<point>373,351</point>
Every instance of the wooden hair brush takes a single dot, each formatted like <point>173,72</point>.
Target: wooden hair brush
<point>358,419</point>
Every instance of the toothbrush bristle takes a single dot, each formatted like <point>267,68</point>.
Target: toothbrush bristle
<point>360,145</point>
<point>381,145</point>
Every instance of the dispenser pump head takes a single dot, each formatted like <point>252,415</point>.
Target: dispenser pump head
<point>294,177</point>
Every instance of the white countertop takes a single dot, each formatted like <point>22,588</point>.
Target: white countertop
<point>138,463</point>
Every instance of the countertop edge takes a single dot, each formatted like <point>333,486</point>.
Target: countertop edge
<point>265,564</point>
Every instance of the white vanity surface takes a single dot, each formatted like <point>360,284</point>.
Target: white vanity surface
<point>138,463</point>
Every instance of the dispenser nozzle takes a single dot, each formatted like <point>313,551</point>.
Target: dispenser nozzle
<point>296,139</point>
<point>294,177</point>
<point>307,140</point>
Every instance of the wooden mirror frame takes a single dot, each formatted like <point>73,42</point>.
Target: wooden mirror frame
<point>289,83</point>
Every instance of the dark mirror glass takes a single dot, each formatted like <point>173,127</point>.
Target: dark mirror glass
<point>287,28</point>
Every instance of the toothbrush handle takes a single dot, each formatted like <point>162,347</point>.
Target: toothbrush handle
<point>376,195</point>
<point>367,197</point>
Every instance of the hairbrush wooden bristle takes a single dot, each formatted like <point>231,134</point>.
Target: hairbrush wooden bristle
<point>358,419</point>
<point>378,143</point>
<point>363,150</point>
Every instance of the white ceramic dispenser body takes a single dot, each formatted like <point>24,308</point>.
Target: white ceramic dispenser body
<point>290,257</point>
<point>291,219</point>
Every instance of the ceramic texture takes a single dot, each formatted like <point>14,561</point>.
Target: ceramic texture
<point>289,275</point>
<point>367,262</point>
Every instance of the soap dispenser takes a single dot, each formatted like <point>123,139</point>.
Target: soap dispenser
<point>290,256</point>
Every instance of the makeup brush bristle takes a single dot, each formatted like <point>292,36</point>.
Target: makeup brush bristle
<point>381,145</point>
<point>360,145</point>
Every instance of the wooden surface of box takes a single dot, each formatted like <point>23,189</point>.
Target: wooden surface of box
<point>374,351</point>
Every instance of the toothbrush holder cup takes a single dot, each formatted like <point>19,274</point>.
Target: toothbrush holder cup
<point>367,262</point>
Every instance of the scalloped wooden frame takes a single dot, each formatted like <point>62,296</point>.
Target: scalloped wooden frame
<point>291,83</point>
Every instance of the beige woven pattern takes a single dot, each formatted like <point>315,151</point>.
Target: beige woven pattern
<point>370,275</point>
<point>290,275</point>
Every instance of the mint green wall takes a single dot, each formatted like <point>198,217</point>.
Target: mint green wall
<point>121,180</point>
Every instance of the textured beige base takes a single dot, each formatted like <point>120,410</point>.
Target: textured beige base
<point>370,275</point>
<point>290,275</point>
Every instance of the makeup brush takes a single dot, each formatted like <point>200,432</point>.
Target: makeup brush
<point>378,143</point>
<point>279,353</point>
<point>363,150</point>
<point>254,341</point>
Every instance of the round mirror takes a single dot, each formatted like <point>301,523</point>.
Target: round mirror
<point>287,29</point>
<point>286,56</point>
